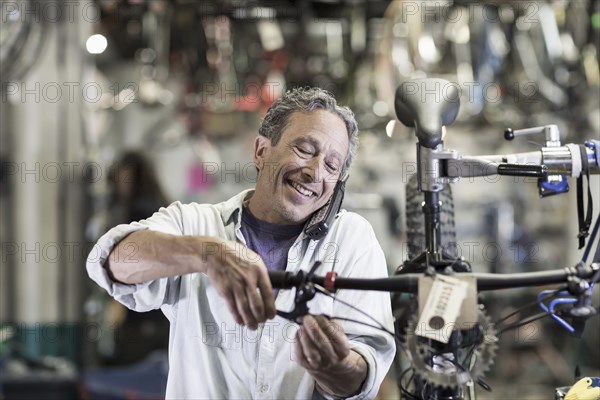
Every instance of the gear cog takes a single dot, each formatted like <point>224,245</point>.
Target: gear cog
<point>439,367</point>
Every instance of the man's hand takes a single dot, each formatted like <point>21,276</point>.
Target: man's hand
<point>323,349</point>
<point>240,276</point>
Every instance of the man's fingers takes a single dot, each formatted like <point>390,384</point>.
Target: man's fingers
<point>318,351</point>
<point>231,304</point>
<point>243,308</point>
<point>260,295</point>
<point>266,292</point>
<point>335,335</point>
<point>300,357</point>
<point>256,303</point>
<point>309,354</point>
<point>314,331</point>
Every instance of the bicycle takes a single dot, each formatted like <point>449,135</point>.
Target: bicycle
<point>450,341</point>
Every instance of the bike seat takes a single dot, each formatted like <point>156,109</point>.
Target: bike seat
<point>427,104</point>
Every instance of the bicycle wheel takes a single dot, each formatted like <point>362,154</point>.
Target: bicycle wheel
<point>415,223</point>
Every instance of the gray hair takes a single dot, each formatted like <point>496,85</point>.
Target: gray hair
<point>308,99</point>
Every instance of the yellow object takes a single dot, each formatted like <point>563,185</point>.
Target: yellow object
<point>582,391</point>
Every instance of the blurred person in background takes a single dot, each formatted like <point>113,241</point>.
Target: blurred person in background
<point>134,194</point>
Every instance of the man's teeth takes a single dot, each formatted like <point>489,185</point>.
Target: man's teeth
<point>301,189</point>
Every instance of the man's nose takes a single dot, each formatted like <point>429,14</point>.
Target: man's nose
<point>314,169</point>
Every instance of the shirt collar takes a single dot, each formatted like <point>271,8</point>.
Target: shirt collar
<point>232,208</point>
<point>231,211</point>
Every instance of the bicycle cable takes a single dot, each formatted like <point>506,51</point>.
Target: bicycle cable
<point>530,304</point>
<point>526,321</point>
<point>323,291</point>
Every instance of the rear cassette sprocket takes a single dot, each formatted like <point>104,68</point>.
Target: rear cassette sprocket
<point>434,368</point>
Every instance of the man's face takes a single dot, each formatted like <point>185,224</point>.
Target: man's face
<point>297,176</point>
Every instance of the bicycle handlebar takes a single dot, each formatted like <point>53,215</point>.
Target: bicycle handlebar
<point>408,283</point>
<point>563,160</point>
<point>549,164</point>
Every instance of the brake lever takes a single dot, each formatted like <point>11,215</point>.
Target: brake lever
<point>572,318</point>
<point>305,292</point>
<point>578,314</point>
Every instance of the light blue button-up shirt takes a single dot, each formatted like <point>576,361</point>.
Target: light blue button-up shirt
<point>212,357</point>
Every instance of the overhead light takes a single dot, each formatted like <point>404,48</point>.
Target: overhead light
<point>255,13</point>
<point>390,127</point>
<point>96,44</point>
<point>380,108</point>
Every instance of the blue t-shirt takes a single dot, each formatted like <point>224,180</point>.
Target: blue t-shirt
<point>270,241</point>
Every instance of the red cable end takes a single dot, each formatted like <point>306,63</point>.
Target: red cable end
<point>329,282</point>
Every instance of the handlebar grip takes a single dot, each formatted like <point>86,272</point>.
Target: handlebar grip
<point>281,279</point>
<point>537,171</point>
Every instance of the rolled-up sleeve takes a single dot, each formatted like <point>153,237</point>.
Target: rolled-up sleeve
<point>378,364</point>
<point>378,357</point>
<point>142,296</point>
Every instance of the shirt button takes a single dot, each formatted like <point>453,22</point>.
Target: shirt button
<point>264,388</point>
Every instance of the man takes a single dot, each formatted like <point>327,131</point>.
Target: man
<point>204,266</point>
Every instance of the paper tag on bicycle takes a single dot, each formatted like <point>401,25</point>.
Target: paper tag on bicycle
<point>442,308</point>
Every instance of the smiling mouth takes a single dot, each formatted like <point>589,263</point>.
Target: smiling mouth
<point>301,189</point>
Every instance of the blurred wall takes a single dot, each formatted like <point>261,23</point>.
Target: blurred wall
<point>43,245</point>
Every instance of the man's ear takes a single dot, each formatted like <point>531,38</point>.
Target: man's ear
<point>262,144</point>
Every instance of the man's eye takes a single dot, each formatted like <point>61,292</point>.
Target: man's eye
<point>303,150</point>
<point>332,167</point>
